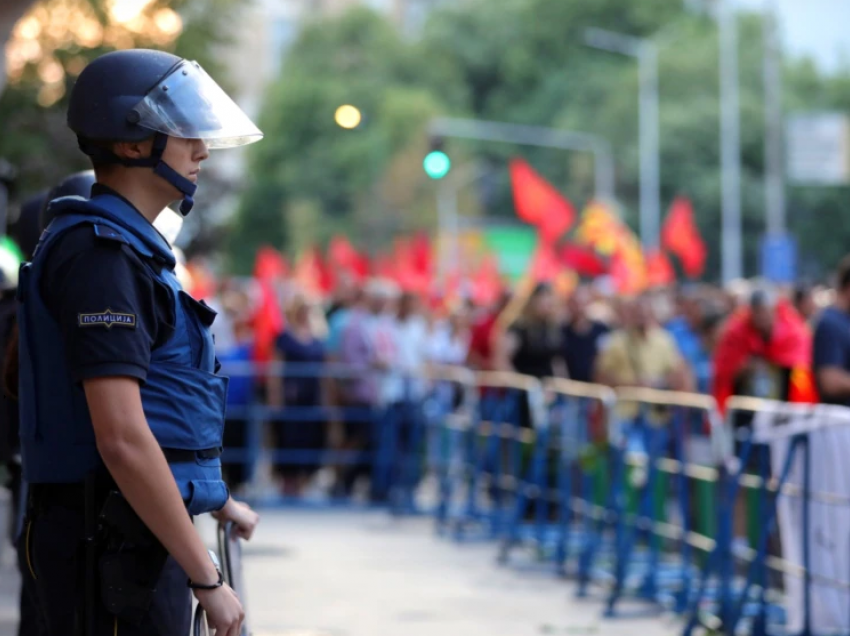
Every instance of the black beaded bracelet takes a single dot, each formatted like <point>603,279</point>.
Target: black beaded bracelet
<point>198,586</point>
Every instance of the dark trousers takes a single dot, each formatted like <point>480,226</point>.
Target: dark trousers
<point>52,556</point>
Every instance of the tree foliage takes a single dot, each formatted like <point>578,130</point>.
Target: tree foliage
<point>57,38</point>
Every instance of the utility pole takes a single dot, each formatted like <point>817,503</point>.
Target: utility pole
<point>730,143</point>
<point>774,168</point>
<point>646,53</point>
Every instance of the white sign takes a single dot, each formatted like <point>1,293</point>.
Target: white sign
<point>818,148</point>
<point>784,420</point>
<point>829,523</point>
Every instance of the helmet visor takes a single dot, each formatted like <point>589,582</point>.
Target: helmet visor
<point>187,103</point>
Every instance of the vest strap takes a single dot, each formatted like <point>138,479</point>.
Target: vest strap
<point>179,456</point>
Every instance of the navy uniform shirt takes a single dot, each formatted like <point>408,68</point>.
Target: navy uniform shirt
<point>110,311</point>
<point>832,346</point>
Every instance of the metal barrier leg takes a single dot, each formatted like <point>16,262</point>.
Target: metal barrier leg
<point>769,523</point>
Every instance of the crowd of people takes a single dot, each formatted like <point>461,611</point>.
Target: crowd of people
<point>370,346</point>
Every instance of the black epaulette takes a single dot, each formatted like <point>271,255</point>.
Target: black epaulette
<point>108,235</point>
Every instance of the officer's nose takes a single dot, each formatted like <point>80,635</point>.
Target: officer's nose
<point>201,151</point>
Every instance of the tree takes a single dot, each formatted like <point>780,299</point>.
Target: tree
<point>54,41</point>
<point>10,12</point>
<point>307,162</point>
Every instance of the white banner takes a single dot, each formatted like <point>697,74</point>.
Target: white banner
<point>829,523</point>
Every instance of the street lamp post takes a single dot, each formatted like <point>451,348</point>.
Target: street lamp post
<point>773,150</point>
<point>646,53</point>
<point>730,143</point>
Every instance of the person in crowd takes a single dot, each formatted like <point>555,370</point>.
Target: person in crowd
<point>582,336</point>
<point>831,362</point>
<point>236,363</point>
<point>404,390</point>
<point>686,329</point>
<point>297,389</point>
<point>410,349</point>
<point>533,343</point>
<point>449,340</point>
<point>366,350</point>
<point>764,351</point>
<point>483,335</point>
<point>641,353</point>
<point>803,298</point>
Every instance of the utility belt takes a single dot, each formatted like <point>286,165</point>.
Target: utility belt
<point>72,495</point>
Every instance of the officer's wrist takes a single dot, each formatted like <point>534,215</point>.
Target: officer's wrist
<point>209,574</point>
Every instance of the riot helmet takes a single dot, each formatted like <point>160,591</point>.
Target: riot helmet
<point>25,230</point>
<point>78,184</point>
<point>138,93</point>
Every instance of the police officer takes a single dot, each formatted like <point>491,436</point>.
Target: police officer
<point>122,408</point>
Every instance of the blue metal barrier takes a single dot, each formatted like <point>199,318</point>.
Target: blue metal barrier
<point>602,485</point>
<point>749,572</point>
<point>485,457</point>
<point>371,430</point>
<point>554,512</point>
<point>658,548</point>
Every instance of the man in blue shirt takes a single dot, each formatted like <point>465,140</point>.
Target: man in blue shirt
<point>686,329</point>
<point>832,343</point>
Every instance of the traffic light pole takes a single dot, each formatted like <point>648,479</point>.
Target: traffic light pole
<point>447,218</point>
<point>536,136</point>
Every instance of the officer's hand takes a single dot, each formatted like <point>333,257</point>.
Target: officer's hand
<point>224,611</point>
<point>242,516</point>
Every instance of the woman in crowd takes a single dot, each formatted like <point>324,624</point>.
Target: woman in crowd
<point>298,389</point>
<point>533,343</point>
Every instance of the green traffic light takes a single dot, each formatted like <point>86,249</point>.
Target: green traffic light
<point>437,164</point>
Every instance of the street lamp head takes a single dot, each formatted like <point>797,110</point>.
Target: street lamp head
<point>348,116</point>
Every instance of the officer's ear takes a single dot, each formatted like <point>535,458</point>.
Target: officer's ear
<point>133,149</point>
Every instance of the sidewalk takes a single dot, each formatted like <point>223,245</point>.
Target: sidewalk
<point>314,573</point>
<point>329,573</point>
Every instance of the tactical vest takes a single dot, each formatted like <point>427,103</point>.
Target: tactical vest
<point>183,397</point>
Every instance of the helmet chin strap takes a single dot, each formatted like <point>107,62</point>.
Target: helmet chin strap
<point>160,168</point>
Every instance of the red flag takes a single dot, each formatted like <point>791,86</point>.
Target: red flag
<point>421,254</point>
<point>680,235</point>
<point>487,282</point>
<point>544,264</point>
<point>407,260</point>
<point>537,202</point>
<point>342,253</point>
<point>584,261</point>
<point>269,264</point>
<point>659,271</point>
<point>267,321</point>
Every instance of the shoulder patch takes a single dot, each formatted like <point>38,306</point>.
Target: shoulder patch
<point>106,233</point>
<point>108,319</point>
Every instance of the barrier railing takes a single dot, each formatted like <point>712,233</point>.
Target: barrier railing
<point>561,499</point>
<point>484,457</point>
<point>347,418</point>
<point>663,490</point>
<point>798,579</point>
<point>645,492</point>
